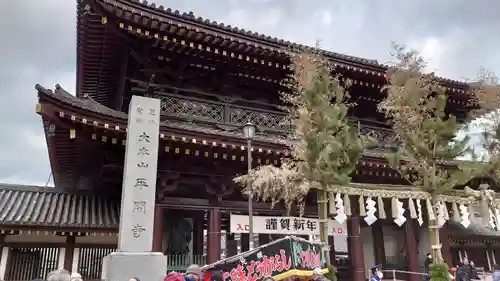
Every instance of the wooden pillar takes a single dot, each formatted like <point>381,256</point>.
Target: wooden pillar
<point>355,244</point>
<point>264,239</point>
<point>444,237</point>
<point>159,219</point>
<point>213,236</point>
<point>69,252</point>
<point>245,238</point>
<point>378,242</point>
<point>231,245</point>
<point>198,233</point>
<point>331,242</point>
<point>411,250</point>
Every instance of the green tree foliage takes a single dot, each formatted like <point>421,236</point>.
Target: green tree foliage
<point>439,272</point>
<point>486,91</point>
<point>415,103</point>
<point>324,150</point>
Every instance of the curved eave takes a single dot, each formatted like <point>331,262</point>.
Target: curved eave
<point>34,207</point>
<point>154,13</point>
<point>59,103</point>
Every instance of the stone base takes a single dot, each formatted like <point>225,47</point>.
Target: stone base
<point>147,266</point>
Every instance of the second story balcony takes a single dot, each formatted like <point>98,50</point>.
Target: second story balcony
<point>231,113</point>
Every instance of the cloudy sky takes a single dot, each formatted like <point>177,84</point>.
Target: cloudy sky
<point>38,46</point>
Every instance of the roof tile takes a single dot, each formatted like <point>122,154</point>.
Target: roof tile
<point>42,206</point>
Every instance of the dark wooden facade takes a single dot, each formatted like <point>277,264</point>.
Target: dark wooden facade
<point>211,79</point>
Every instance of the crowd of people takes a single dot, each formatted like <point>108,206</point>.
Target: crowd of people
<point>193,273</point>
<point>464,271</point>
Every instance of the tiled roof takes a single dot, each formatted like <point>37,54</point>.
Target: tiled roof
<point>190,18</point>
<point>87,103</point>
<point>475,229</point>
<point>44,206</point>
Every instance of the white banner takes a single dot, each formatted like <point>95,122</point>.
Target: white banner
<point>285,225</point>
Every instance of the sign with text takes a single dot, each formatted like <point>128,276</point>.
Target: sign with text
<point>139,176</point>
<point>271,259</point>
<point>285,225</point>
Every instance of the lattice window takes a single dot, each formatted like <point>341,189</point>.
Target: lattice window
<point>192,109</point>
<point>240,116</point>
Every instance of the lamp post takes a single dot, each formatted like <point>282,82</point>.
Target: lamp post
<point>249,132</point>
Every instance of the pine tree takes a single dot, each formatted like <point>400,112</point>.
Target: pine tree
<point>416,105</point>
<point>325,147</point>
<point>486,98</point>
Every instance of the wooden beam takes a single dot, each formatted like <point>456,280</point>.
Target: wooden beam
<point>122,80</point>
<point>183,203</point>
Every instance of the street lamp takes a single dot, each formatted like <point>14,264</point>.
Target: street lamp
<point>249,132</point>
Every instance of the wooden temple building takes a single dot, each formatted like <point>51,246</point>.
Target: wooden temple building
<point>211,79</point>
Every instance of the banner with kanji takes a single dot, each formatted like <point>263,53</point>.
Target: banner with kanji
<point>282,258</point>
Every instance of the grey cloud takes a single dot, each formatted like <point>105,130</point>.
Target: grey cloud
<point>38,44</point>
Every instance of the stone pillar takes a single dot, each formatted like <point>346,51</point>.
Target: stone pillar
<point>159,220</point>
<point>355,245</point>
<point>378,242</point>
<point>69,252</point>
<point>444,238</point>
<point>137,214</point>
<point>214,236</point>
<point>411,250</point>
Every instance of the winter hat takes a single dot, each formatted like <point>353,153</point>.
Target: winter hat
<point>75,276</point>
<point>194,269</point>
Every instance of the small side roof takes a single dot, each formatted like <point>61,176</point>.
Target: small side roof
<point>35,206</point>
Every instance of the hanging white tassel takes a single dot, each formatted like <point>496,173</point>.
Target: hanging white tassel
<point>370,211</point>
<point>339,204</point>
<point>497,217</point>
<point>420,217</point>
<point>413,211</point>
<point>491,218</point>
<point>464,215</point>
<point>441,211</point>
<point>400,213</point>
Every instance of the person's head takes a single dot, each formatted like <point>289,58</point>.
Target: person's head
<point>75,276</point>
<point>317,272</point>
<point>377,271</point>
<point>194,270</point>
<point>465,260</point>
<point>59,275</point>
<point>429,256</point>
<point>134,279</point>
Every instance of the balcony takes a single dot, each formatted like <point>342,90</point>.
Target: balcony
<point>227,113</point>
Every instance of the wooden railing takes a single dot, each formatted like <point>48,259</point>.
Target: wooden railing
<point>181,262</point>
<point>198,108</point>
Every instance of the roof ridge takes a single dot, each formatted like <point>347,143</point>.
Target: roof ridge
<point>22,187</point>
<point>190,17</point>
